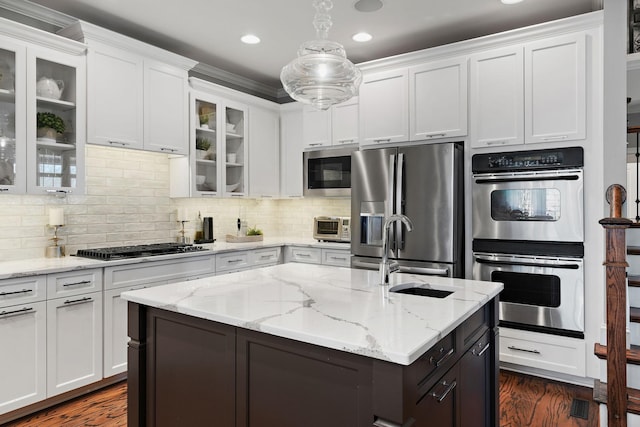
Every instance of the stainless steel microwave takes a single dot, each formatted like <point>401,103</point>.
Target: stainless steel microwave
<point>332,228</point>
<point>327,172</point>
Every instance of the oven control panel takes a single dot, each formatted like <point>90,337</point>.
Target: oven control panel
<point>560,158</point>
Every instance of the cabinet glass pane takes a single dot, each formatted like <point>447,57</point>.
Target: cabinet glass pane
<point>234,149</point>
<point>55,121</point>
<point>205,144</point>
<point>7,118</point>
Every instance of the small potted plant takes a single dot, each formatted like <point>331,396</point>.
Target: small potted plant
<point>202,146</point>
<point>49,125</point>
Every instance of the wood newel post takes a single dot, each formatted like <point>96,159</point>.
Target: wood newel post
<point>616,267</point>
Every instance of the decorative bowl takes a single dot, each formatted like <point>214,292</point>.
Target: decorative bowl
<point>200,179</point>
<point>231,187</point>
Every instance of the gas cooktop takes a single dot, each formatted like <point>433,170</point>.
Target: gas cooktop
<point>136,251</point>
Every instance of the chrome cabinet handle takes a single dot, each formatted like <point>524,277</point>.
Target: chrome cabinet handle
<point>168,149</point>
<point>534,351</point>
<point>84,282</point>
<point>124,144</point>
<point>303,255</point>
<point>314,144</point>
<point>16,312</point>
<point>266,256</point>
<point>481,352</point>
<point>433,135</point>
<point>380,140</point>
<point>440,361</point>
<point>501,142</point>
<point>4,189</point>
<point>78,301</point>
<point>345,141</point>
<point>444,394</point>
<point>555,138</point>
<point>233,261</point>
<point>61,192</point>
<point>339,258</point>
<point>24,291</point>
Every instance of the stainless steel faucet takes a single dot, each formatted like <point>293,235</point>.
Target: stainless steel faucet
<point>385,267</point>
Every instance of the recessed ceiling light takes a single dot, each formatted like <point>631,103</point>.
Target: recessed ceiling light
<point>510,1</point>
<point>362,37</point>
<point>368,5</point>
<point>250,39</point>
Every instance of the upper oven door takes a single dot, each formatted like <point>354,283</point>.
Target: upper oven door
<point>542,205</point>
<point>327,172</point>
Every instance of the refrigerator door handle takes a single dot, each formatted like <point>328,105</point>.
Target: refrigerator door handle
<point>392,196</point>
<point>423,270</point>
<point>399,197</point>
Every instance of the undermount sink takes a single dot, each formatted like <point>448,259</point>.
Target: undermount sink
<point>419,289</point>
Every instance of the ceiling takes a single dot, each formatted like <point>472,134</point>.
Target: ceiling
<point>209,31</point>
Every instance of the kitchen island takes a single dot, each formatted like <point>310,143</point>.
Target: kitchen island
<point>311,345</point>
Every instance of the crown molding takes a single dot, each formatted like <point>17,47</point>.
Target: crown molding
<point>30,34</point>
<point>38,12</point>
<point>209,72</point>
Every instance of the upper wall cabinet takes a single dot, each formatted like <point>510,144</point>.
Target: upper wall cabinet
<point>42,111</point>
<point>264,152</point>
<point>137,93</point>
<point>497,97</point>
<point>528,93</point>
<point>291,148</point>
<point>438,99</point>
<point>384,107</point>
<point>335,126</point>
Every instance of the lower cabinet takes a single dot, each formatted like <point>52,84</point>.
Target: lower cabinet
<point>23,358</point>
<point>74,342</point>
<point>312,255</point>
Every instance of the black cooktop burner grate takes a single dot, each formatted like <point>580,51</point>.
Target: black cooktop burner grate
<point>136,251</point>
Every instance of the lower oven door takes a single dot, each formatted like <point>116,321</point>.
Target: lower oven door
<point>540,294</point>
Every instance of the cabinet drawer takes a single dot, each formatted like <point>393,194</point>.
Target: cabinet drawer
<point>437,359</point>
<point>74,283</point>
<point>550,352</point>
<point>269,256</point>
<point>22,290</point>
<point>336,257</point>
<point>308,255</point>
<point>151,272</point>
<point>232,261</point>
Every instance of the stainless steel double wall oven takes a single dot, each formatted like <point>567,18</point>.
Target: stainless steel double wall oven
<point>528,233</point>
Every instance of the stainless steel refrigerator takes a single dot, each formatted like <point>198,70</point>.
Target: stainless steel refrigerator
<point>423,182</point>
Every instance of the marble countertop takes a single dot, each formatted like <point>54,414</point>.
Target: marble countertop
<point>339,308</point>
<point>34,266</point>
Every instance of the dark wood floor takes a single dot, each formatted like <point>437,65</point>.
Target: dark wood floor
<point>524,401</point>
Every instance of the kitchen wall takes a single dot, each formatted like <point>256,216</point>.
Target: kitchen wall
<point>127,202</point>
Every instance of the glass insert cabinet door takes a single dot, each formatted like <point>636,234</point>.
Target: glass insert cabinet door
<point>12,120</point>
<point>206,161</point>
<point>55,121</point>
<point>234,147</point>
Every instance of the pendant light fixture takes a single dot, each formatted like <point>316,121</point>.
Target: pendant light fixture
<point>321,75</point>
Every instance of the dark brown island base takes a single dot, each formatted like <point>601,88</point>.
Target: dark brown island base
<point>187,371</point>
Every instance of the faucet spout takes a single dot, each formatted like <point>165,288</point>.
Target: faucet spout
<point>385,266</point>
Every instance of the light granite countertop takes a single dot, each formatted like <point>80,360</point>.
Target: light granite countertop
<point>334,307</point>
<point>34,266</point>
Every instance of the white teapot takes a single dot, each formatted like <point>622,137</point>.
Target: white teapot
<point>49,88</point>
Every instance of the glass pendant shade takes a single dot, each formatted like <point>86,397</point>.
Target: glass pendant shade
<point>321,75</point>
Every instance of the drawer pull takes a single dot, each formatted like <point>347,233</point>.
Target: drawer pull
<point>24,291</point>
<point>171,150</point>
<point>502,141</point>
<point>555,138</point>
<point>124,144</point>
<point>78,301</point>
<point>442,359</point>
<point>16,312</point>
<point>266,256</point>
<point>84,282</point>
<point>233,261</point>
<point>481,352</point>
<point>381,140</point>
<point>4,189</point>
<point>523,349</point>
<point>444,394</point>
<point>338,258</point>
<point>434,135</point>
<point>303,255</point>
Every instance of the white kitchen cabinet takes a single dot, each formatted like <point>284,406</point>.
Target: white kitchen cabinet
<point>71,283</point>
<point>222,169</point>
<point>137,95</point>
<point>291,148</point>
<point>165,108</point>
<point>344,122</point>
<point>384,107</point>
<point>228,262</point>
<point>45,78</point>
<point>303,254</point>
<point>264,152</point>
<point>23,359</point>
<point>74,342</point>
<point>316,127</point>
<point>497,97</point>
<point>555,89</point>
<point>438,99</point>
<point>13,127</point>
<point>114,97</point>
<point>266,257</point>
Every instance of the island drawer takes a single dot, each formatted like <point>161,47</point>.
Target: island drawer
<point>553,353</point>
<point>71,283</point>
<point>440,355</point>
<point>22,290</point>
